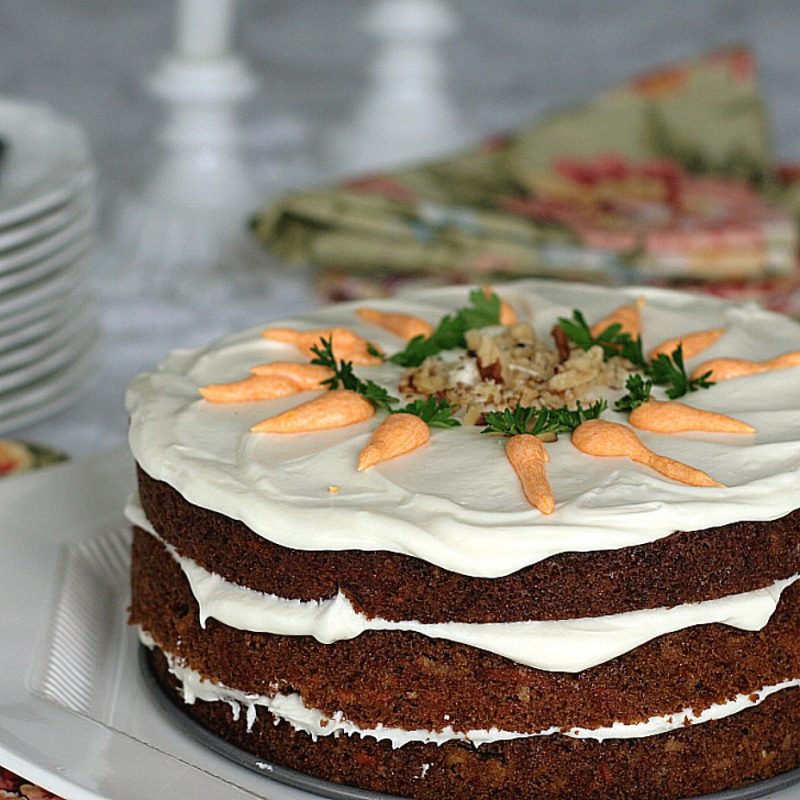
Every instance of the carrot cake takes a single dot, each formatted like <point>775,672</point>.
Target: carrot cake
<point>476,545</point>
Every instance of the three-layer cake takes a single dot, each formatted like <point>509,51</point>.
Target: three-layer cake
<point>418,628</point>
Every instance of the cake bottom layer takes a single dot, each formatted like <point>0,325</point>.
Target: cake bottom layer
<point>753,745</point>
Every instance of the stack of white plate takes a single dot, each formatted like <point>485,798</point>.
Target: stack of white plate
<point>48,321</point>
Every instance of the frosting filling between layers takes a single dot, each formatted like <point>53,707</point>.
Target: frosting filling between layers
<point>292,709</point>
<point>476,521</point>
<point>554,645</point>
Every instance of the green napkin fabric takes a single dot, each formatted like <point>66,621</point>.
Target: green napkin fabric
<point>666,176</point>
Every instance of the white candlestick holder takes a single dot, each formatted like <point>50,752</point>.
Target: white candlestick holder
<point>173,231</point>
<point>407,113</point>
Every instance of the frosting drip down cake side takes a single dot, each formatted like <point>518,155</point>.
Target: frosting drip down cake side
<point>470,544</point>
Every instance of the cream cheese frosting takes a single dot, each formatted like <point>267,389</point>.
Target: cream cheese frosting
<point>456,502</point>
<point>292,709</point>
<point>569,645</point>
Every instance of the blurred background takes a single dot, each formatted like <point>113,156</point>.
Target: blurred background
<point>310,72</point>
<point>141,138</point>
<point>510,61</point>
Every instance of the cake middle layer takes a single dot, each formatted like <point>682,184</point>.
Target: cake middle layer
<point>564,645</point>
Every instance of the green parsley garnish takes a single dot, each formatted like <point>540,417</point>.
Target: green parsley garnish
<point>663,370</point>
<point>533,420</point>
<point>638,393</point>
<point>373,351</point>
<point>612,340</point>
<point>344,376</point>
<point>450,331</point>
<point>483,310</point>
<point>669,371</point>
<point>437,413</point>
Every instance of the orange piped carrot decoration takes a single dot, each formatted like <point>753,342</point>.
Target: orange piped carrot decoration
<point>347,345</point>
<point>334,409</point>
<point>691,344</point>
<point>673,417</point>
<point>527,455</point>
<point>268,382</point>
<point>628,316</point>
<point>403,325</point>
<point>396,435</point>
<point>508,316</point>
<point>600,438</point>
<point>306,377</point>
<point>249,390</point>
<point>724,369</point>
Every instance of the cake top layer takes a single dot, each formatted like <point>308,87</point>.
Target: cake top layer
<point>456,501</point>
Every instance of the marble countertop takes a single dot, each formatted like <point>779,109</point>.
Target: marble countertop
<point>512,60</point>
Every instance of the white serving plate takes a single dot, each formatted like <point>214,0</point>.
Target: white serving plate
<point>26,317</point>
<point>20,264</point>
<point>64,595</point>
<point>46,224</point>
<point>47,397</point>
<point>19,320</point>
<point>54,355</point>
<point>47,160</point>
<point>46,290</point>
<point>58,338</point>
<point>49,317</point>
<point>32,274</point>
<point>75,714</point>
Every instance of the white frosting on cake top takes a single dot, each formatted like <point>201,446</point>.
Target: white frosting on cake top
<point>456,502</point>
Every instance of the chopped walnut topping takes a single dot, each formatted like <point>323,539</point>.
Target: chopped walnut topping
<point>562,342</point>
<point>510,367</point>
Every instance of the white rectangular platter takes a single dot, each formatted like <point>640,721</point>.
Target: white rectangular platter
<point>75,716</point>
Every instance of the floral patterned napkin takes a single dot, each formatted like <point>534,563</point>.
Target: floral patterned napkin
<point>19,457</point>
<point>666,177</point>
<point>16,787</point>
